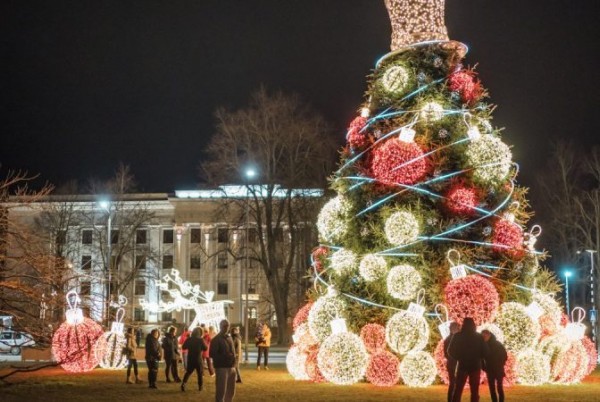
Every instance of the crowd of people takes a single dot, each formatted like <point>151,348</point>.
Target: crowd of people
<point>202,348</point>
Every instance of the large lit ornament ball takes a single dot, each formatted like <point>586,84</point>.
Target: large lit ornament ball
<point>332,222</point>
<point>344,261</point>
<point>325,309</point>
<point>403,282</point>
<point>508,239</point>
<point>490,158</point>
<point>402,227</point>
<point>570,365</point>
<point>396,79</point>
<point>383,369</point>
<point>343,358</point>
<point>431,112</point>
<point>372,267</point>
<point>398,162</point>
<point>301,316</point>
<point>471,296</point>
<point>312,366</point>
<point>550,306</point>
<point>462,200</point>
<point>494,329</point>
<point>295,362</point>
<point>406,332</point>
<point>532,367</point>
<point>592,353</point>
<point>109,350</point>
<point>520,330</point>
<point>466,84</point>
<point>373,336</point>
<point>418,369</point>
<point>73,345</point>
<point>357,135</point>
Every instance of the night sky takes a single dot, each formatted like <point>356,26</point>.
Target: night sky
<point>87,84</point>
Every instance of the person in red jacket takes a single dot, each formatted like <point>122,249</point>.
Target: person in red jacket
<point>184,352</point>
<point>205,355</point>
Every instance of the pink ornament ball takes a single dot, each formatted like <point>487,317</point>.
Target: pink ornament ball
<point>398,162</point>
<point>302,315</point>
<point>472,296</point>
<point>461,200</point>
<point>383,369</point>
<point>590,348</point>
<point>508,239</point>
<point>312,367</point>
<point>73,345</point>
<point>373,336</point>
<point>357,135</point>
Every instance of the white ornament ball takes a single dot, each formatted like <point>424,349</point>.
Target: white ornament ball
<point>395,79</point>
<point>406,332</point>
<point>303,338</point>
<point>418,369</point>
<point>109,351</point>
<point>332,222</point>
<point>520,330</point>
<point>402,227</point>
<point>372,267</point>
<point>325,309</point>
<point>343,358</point>
<point>343,261</point>
<point>490,158</point>
<point>550,306</point>
<point>431,111</point>
<point>295,362</point>
<point>403,282</point>
<point>494,329</point>
<point>532,367</point>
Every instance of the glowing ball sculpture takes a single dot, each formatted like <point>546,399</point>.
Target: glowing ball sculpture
<point>570,365</point>
<point>592,353</point>
<point>373,336</point>
<point>472,296</point>
<point>372,267</point>
<point>532,367</point>
<point>402,227</point>
<point>520,330</point>
<point>490,160</point>
<point>403,282</point>
<point>383,369</point>
<point>325,309</point>
<point>396,79</point>
<point>462,200</point>
<point>296,363</point>
<point>73,342</point>
<point>418,369</point>
<point>441,361</point>
<point>109,347</point>
<point>332,219</point>
<point>508,239</point>
<point>398,162</point>
<point>406,332</point>
<point>344,261</point>
<point>343,358</point>
<point>303,339</point>
<point>312,366</point>
<point>302,315</point>
<point>431,111</point>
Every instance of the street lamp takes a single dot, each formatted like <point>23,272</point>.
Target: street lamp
<point>249,174</point>
<point>105,205</point>
<point>567,276</point>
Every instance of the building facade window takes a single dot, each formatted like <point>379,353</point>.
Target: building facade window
<point>166,317</point>
<point>86,262</point>
<point>222,235</point>
<point>252,287</point>
<point>252,235</point>
<point>168,236</point>
<point>85,288</point>
<point>195,236</point>
<point>222,288</point>
<point>114,236</point>
<point>140,262</point>
<point>167,261</point>
<point>222,260</point>
<point>86,236</point>
<point>140,288</point>
<point>195,262</point>
<point>139,314</point>
<point>252,313</point>
<point>141,236</point>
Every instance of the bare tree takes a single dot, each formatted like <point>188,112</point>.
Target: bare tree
<point>291,147</point>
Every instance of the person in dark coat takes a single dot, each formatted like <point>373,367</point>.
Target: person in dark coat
<point>237,344</point>
<point>469,349</point>
<point>494,365</point>
<point>171,352</point>
<point>195,345</point>
<point>451,363</point>
<point>222,352</point>
<point>152,357</point>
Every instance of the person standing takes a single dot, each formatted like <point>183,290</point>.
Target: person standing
<point>171,352</point>
<point>130,349</point>
<point>222,352</point>
<point>263,341</point>
<point>195,345</point>
<point>450,361</point>
<point>237,345</point>
<point>153,356</point>
<point>138,336</point>
<point>184,352</point>
<point>494,365</point>
<point>207,360</point>
<point>469,349</point>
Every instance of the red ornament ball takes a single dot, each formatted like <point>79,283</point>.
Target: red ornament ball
<point>472,296</point>
<point>319,255</point>
<point>373,336</point>
<point>465,82</point>
<point>592,354</point>
<point>440,362</point>
<point>383,369</point>
<point>397,161</point>
<point>357,135</point>
<point>73,345</point>
<point>461,200</point>
<point>312,367</point>
<point>508,239</point>
<point>302,315</point>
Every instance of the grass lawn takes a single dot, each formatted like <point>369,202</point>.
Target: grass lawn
<point>54,384</point>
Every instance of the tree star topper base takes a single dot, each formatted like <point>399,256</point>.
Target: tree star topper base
<point>415,21</point>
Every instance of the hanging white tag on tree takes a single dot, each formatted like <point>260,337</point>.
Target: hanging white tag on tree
<point>457,270</point>
<point>531,237</point>
<point>442,314</point>
<point>417,308</point>
<point>407,134</point>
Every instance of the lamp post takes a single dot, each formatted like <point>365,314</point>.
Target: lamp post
<point>249,174</point>
<point>567,276</point>
<point>593,312</point>
<point>105,205</point>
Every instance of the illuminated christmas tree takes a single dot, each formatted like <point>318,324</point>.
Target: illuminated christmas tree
<point>428,218</point>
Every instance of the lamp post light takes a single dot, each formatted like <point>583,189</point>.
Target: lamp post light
<point>105,205</point>
<point>567,276</point>
<point>249,174</point>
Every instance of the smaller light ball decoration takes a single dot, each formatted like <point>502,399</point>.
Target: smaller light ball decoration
<point>372,267</point>
<point>462,200</point>
<point>508,238</point>
<point>418,369</point>
<point>73,342</point>
<point>521,332</point>
<point>403,282</point>
<point>532,367</point>
<point>301,316</point>
<point>490,159</point>
<point>399,162</point>
<point>551,308</point>
<point>357,136</point>
<point>383,369</point>
<point>471,296</point>
<point>295,362</point>
<point>406,332</point>
<point>333,218</point>
<point>109,347</point>
<point>431,112</point>
<point>510,373</point>
<point>396,79</point>
<point>402,227</point>
<point>325,309</point>
<point>319,257</point>
<point>466,84</point>
<point>373,336</point>
<point>343,358</point>
<point>344,261</point>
